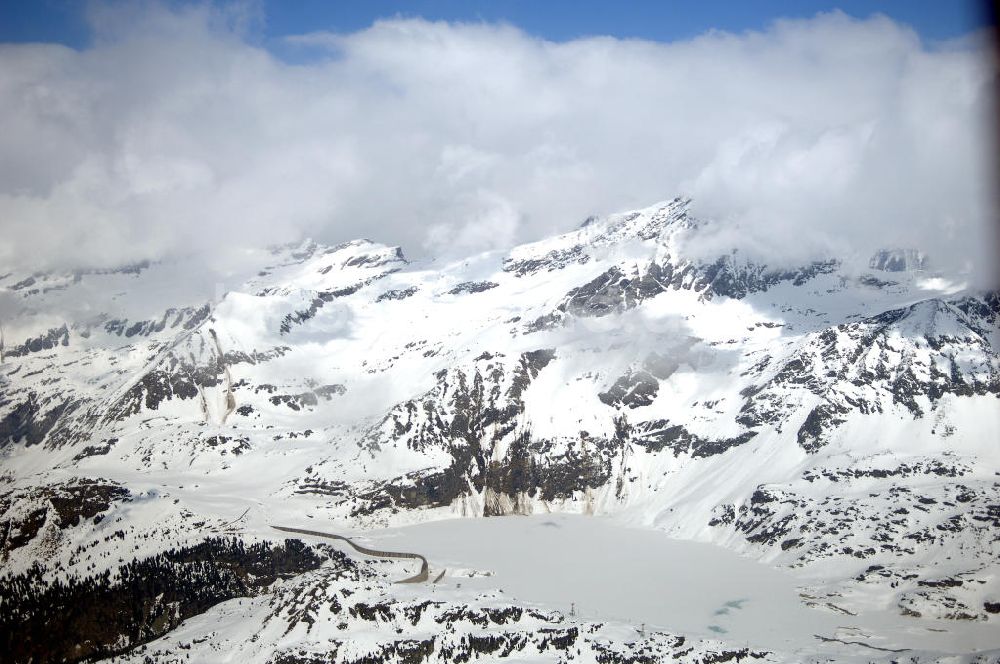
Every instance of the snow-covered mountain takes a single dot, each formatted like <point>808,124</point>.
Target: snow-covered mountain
<point>838,424</point>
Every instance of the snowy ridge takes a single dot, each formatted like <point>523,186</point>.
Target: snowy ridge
<point>839,426</point>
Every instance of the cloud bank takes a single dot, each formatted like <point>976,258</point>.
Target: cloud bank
<point>176,132</point>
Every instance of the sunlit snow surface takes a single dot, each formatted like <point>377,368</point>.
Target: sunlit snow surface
<point>322,377</point>
<point>607,572</point>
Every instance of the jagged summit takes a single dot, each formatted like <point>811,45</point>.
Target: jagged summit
<point>657,224</point>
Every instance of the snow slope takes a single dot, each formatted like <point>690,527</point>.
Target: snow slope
<point>838,425</point>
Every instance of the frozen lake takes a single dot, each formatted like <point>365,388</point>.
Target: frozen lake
<point>609,572</point>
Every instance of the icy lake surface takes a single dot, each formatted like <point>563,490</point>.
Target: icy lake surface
<point>604,571</point>
<point>607,572</point>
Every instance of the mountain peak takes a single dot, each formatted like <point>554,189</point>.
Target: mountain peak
<point>647,223</point>
<point>660,222</point>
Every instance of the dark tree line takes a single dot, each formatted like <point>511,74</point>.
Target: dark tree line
<point>106,614</point>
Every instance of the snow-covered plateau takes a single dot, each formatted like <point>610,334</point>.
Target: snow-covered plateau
<point>608,447</point>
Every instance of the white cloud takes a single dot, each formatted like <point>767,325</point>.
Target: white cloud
<point>176,133</point>
<point>482,221</point>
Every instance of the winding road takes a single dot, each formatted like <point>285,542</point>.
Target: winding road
<point>419,577</point>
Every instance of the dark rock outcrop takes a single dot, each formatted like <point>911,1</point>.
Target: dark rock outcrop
<point>473,287</point>
<point>64,505</point>
<point>57,336</point>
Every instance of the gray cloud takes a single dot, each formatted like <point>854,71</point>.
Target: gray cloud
<point>177,133</point>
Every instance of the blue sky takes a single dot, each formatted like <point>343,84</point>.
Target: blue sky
<point>64,21</point>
